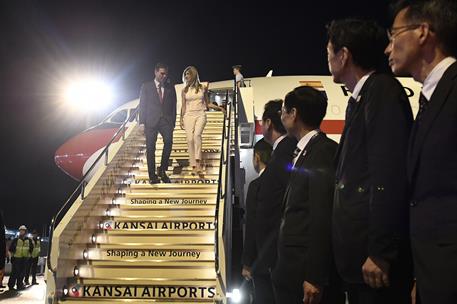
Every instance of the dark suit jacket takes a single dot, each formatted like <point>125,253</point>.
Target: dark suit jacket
<point>432,174</point>
<point>432,164</point>
<point>250,247</point>
<point>305,238</point>
<point>370,215</point>
<point>269,207</point>
<point>151,109</point>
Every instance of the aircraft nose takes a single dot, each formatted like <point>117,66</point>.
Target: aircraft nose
<point>73,155</point>
<point>70,158</point>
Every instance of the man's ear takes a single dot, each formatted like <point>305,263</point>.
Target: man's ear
<point>425,32</point>
<point>267,122</point>
<point>293,114</point>
<point>344,56</point>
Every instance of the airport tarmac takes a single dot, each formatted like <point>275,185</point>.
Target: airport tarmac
<point>31,295</point>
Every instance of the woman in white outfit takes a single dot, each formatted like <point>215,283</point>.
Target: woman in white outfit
<point>195,102</point>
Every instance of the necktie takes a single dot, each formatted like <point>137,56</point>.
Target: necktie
<point>350,108</point>
<point>159,91</point>
<point>423,105</point>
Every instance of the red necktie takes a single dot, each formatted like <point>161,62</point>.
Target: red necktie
<point>159,91</point>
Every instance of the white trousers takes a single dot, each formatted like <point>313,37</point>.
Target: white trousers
<point>194,122</point>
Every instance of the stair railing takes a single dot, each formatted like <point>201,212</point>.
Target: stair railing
<point>80,189</point>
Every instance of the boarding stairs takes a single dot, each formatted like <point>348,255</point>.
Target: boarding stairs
<point>120,239</point>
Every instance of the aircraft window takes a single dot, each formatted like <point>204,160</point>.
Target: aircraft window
<point>119,117</point>
<point>130,114</point>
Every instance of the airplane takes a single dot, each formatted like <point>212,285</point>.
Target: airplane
<point>77,155</point>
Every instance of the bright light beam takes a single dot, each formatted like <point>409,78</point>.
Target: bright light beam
<point>88,95</point>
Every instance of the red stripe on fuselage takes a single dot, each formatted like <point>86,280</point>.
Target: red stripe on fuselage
<point>329,126</point>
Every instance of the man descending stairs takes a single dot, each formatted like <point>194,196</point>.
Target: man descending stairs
<point>156,243</point>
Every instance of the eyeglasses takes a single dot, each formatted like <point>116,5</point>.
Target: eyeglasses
<point>395,31</point>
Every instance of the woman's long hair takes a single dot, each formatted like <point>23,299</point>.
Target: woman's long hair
<point>194,81</point>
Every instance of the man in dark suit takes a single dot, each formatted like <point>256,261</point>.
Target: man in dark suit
<point>423,44</point>
<point>262,155</point>
<point>305,272</point>
<point>271,192</point>
<point>370,212</point>
<point>158,115</point>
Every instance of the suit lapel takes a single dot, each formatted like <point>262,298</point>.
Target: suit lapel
<point>301,159</point>
<point>421,129</point>
<point>155,92</point>
<point>341,152</point>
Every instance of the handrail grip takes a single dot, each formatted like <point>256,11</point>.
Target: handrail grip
<point>83,184</point>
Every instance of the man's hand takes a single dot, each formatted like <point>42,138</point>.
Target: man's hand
<point>376,272</point>
<point>313,293</point>
<point>413,294</point>
<point>142,129</point>
<point>247,272</point>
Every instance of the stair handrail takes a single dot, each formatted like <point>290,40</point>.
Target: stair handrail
<point>225,147</point>
<point>226,193</point>
<point>81,186</point>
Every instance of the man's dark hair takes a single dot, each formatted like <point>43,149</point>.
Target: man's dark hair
<point>365,39</point>
<point>310,103</point>
<point>264,150</point>
<point>161,65</point>
<point>273,112</point>
<point>440,14</point>
<point>238,67</point>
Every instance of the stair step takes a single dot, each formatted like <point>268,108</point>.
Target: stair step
<point>148,254</point>
<point>152,239</point>
<point>199,247</point>
<point>161,293</point>
<point>189,261</point>
<point>147,188</point>
<point>129,272</point>
<point>142,176</point>
<point>157,226</point>
<point>148,213</point>
<point>145,200</point>
<point>130,301</point>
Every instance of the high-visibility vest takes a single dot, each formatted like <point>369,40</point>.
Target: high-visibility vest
<point>36,249</point>
<point>22,248</point>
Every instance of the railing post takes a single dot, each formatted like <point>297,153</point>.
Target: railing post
<point>83,188</point>
<point>106,157</point>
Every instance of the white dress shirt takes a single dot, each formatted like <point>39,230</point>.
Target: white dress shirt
<point>303,142</point>
<point>261,171</point>
<point>157,86</point>
<point>435,75</point>
<point>277,141</point>
<point>358,87</point>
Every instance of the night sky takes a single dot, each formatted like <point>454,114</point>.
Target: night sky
<point>43,42</point>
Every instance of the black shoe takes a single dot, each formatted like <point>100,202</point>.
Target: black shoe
<point>164,177</point>
<point>154,180</point>
<point>35,283</point>
<point>26,283</point>
<point>21,287</point>
<point>11,287</point>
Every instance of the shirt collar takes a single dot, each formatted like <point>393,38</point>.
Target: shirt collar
<point>435,75</point>
<point>157,83</point>
<point>305,139</point>
<point>261,171</point>
<point>277,141</point>
<point>358,87</point>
